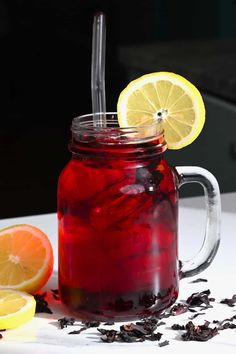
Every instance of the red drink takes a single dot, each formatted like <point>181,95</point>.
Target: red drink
<point>117,211</point>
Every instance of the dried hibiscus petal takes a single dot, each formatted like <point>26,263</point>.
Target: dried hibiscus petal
<point>225,324</point>
<point>155,336</point>
<point>230,302</point>
<point>89,324</point>
<point>42,304</point>
<point>108,335</point>
<point>130,337</point>
<point>196,315</point>
<point>66,321</point>
<point>200,298</point>
<point>199,280</point>
<point>133,332</point>
<point>134,329</point>
<point>177,327</point>
<point>164,343</point>
<point>78,331</point>
<point>178,309</point>
<point>200,333</point>
<point>149,325</point>
<point>109,323</point>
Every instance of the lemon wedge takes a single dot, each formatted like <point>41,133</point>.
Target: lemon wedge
<point>168,99</point>
<point>16,308</point>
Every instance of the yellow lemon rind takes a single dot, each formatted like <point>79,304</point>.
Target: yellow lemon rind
<point>188,87</point>
<point>25,314</point>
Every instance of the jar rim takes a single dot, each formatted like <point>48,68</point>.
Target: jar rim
<point>87,124</point>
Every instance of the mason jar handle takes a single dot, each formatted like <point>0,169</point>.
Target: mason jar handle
<point>193,174</point>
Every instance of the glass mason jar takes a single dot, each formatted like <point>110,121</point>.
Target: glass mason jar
<point>118,222</point>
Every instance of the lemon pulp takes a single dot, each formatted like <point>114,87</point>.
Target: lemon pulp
<point>16,308</point>
<point>168,99</point>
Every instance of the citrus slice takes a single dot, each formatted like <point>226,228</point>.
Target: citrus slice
<point>26,258</point>
<point>168,99</point>
<point>16,308</point>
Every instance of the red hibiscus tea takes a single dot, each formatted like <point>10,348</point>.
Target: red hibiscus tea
<point>117,212</point>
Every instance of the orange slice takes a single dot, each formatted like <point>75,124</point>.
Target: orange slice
<point>26,258</point>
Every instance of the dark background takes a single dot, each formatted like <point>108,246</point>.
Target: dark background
<point>45,78</point>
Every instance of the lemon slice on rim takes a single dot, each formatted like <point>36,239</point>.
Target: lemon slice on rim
<point>16,308</point>
<point>168,99</point>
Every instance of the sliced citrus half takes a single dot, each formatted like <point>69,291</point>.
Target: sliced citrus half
<point>16,308</point>
<point>168,99</point>
<point>26,258</point>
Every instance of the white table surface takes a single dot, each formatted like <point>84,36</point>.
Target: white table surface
<point>42,336</point>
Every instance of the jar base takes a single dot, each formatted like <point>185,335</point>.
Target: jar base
<point>104,307</point>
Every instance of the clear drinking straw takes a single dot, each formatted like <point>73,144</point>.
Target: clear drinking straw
<point>98,70</point>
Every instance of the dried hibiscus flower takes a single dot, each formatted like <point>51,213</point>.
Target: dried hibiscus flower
<point>66,321</point>
<point>42,304</point>
<point>226,323</point>
<point>199,299</point>
<point>108,335</point>
<point>230,302</point>
<point>133,332</point>
<point>200,333</point>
